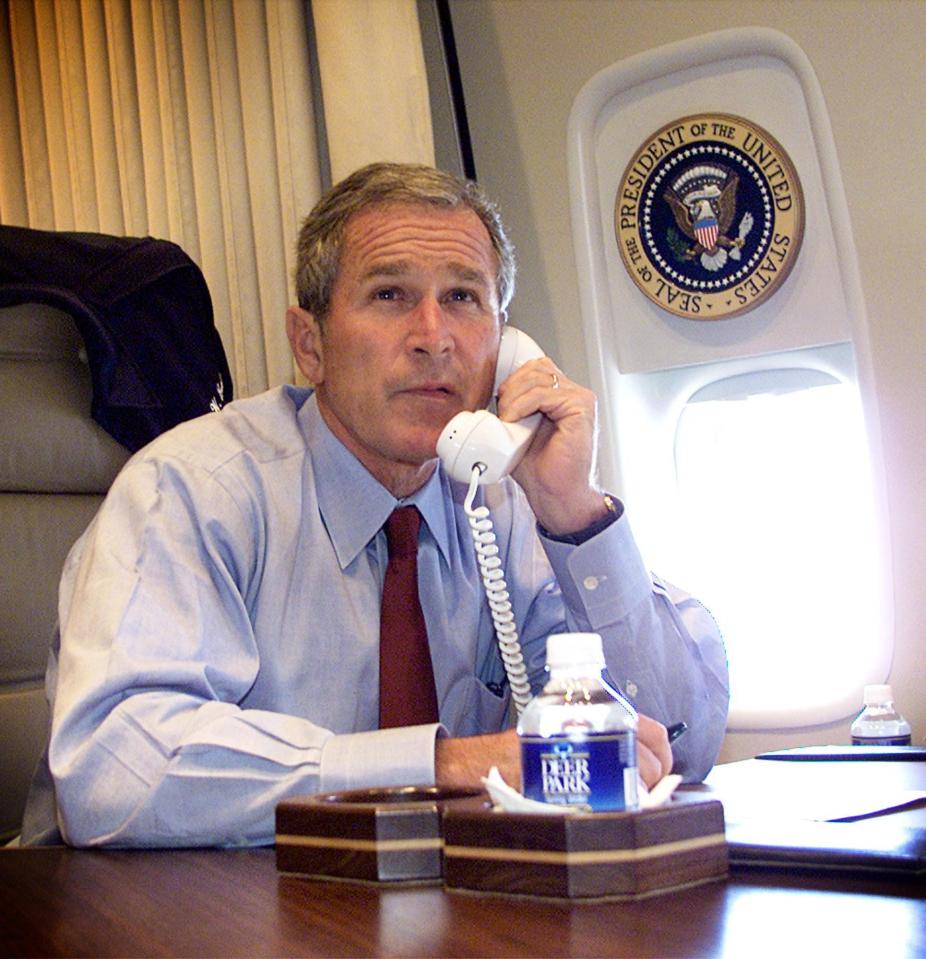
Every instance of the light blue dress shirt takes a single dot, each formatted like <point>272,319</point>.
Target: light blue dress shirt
<point>220,630</point>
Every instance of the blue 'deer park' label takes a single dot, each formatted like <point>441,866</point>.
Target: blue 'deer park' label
<point>597,772</point>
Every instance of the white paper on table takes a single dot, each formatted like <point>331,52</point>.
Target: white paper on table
<point>824,808</point>
<point>819,805</point>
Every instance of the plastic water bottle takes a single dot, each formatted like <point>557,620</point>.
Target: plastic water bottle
<point>879,723</point>
<point>578,737</point>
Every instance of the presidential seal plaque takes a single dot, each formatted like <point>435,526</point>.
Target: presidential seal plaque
<point>709,216</point>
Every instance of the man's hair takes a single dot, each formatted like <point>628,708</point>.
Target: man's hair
<point>321,238</point>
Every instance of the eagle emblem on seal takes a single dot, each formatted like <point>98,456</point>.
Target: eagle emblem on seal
<point>703,202</point>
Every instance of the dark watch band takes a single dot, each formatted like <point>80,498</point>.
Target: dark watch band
<point>615,511</point>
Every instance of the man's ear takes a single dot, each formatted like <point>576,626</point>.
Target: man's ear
<point>305,340</point>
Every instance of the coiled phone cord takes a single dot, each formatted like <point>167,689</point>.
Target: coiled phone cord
<point>493,581</point>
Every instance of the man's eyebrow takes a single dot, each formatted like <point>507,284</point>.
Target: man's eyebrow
<point>393,268</point>
<point>386,268</point>
<point>470,274</point>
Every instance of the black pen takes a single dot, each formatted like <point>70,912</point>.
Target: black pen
<point>676,730</point>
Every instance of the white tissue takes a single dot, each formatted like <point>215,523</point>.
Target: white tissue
<point>660,794</point>
<point>510,800</point>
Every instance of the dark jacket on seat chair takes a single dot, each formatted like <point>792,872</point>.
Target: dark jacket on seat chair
<point>145,314</point>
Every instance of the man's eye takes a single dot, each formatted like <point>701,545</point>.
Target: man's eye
<point>387,294</point>
<point>463,296</point>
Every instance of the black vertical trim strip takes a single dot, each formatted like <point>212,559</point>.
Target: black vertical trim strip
<point>456,88</point>
<point>318,101</point>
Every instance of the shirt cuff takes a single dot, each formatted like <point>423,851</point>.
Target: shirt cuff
<point>603,579</point>
<point>403,756</point>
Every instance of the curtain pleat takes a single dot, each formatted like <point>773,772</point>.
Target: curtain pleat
<point>31,114</point>
<point>103,151</point>
<point>192,120</point>
<point>13,200</point>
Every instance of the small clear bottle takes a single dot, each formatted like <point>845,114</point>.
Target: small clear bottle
<point>578,736</point>
<point>879,723</point>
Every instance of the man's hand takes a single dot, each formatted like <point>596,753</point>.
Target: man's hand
<point>654,755</point>
<point>461,763</point>
<point>557,472</point>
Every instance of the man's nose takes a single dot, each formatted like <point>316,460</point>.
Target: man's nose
<point>430,330</point>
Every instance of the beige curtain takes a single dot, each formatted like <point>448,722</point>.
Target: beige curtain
<point>374,83</point>
<point>192,120</point>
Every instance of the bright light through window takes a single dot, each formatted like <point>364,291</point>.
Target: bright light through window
<point>776,495</point>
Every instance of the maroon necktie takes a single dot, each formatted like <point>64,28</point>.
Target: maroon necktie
<point>407,696</point>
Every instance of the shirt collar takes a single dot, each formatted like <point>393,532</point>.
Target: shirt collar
<point>353,505</point>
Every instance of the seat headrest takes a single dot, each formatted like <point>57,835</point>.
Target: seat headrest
<point>49,443</point>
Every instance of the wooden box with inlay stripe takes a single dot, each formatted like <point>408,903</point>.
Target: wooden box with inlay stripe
<point>376,835</point>
<point>586,856</point>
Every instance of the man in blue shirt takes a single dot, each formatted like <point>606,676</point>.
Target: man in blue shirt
<point>220,617</point>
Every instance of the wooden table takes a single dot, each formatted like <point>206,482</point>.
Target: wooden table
<point>64,902</point>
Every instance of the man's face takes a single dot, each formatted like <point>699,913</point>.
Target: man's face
<point>411,336</point>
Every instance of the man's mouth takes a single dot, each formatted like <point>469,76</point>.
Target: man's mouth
<point>430,390</point>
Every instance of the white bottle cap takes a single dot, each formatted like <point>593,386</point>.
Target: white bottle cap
<point>568,650</point>
<point>877,695</point>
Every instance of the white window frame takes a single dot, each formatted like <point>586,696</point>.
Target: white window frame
<point>639,409</point>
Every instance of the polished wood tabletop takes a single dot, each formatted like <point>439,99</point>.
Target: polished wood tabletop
<point>65,902</point>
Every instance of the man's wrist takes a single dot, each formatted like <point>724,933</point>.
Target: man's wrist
<point>614,509</point>
<point>461,762</point>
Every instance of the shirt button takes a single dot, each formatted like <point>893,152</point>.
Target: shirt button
<point>631,688</point>
<point>590,582</point>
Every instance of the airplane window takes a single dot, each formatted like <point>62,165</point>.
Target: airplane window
<point>774,486</point>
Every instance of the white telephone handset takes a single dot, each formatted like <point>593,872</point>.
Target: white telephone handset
<point>478,448</point>
<point>480,439</point>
